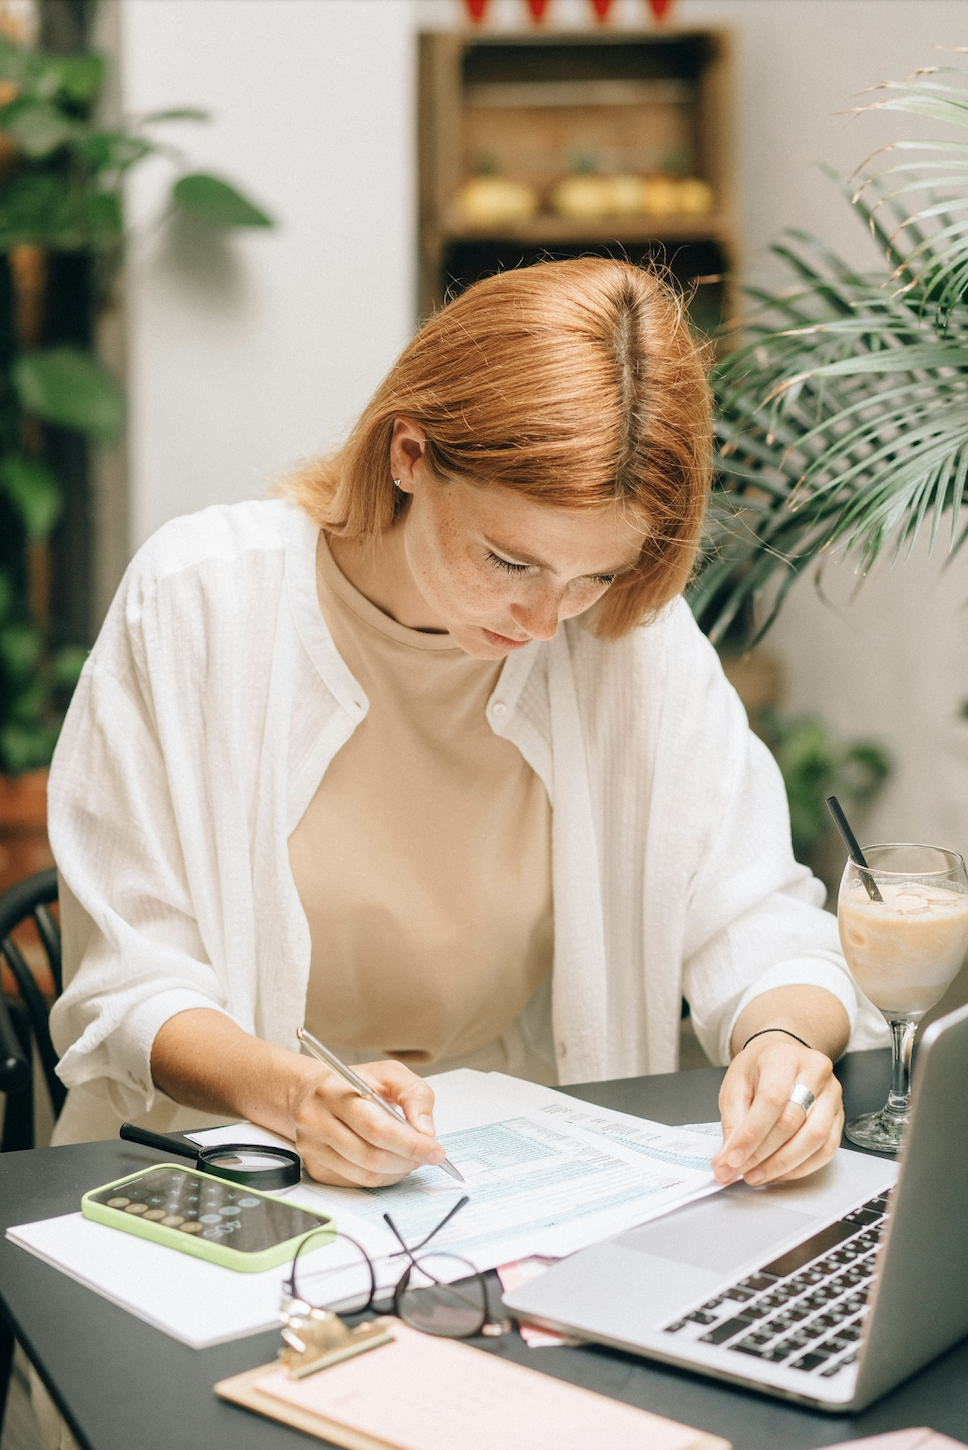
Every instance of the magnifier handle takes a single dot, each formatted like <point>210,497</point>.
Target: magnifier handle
<point>156,1140</point>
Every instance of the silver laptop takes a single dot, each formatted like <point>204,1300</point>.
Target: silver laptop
<point>828,1292</point>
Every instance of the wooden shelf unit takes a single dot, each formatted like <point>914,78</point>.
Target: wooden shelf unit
<point>535,105</point>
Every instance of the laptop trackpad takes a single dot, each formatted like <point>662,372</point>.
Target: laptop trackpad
<point>718,1233</point>
<point>625,1288</point>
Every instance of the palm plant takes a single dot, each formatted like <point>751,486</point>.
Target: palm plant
<point>843,411</point>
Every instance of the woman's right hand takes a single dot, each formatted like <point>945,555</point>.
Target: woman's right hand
<point>345,1140</point>
<point>204,1060</point>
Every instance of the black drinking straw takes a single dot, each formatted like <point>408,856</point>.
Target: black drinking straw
<point>853,849</point>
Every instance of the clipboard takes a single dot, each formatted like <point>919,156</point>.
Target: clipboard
<point>425,1393</point>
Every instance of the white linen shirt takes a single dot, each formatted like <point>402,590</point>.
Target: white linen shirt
<point>205,718</point>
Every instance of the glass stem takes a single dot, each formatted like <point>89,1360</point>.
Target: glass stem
<point>903,1031</point>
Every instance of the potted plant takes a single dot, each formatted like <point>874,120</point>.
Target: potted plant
<point>61,246</point>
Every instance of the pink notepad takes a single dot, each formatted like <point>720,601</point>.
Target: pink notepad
<point>422,1393</point>
<point>919,1439</point>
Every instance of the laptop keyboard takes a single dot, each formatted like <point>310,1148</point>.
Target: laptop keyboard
<point>804,1310</point>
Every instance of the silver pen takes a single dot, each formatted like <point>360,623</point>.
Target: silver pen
<point>363,1088</point>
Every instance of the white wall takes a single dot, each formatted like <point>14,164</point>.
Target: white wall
<point>245,357</point>
<point>250,353</point>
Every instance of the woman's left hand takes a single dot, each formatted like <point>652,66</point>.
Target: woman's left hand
<point>766,1138</point>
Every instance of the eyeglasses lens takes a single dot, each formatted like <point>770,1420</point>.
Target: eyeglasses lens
<point>337,1276</point>
<point>443,1295</point>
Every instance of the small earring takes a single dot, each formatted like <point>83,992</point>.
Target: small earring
<point>396,483</point>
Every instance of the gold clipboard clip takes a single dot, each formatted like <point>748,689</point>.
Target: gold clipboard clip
<point>318,1338</point>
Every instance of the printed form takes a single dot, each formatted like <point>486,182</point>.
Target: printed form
<point>545,1174</point>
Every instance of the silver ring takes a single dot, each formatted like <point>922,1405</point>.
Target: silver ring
<point>803,1097</point>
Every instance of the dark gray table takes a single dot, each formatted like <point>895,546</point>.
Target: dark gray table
<point>121,1384</point>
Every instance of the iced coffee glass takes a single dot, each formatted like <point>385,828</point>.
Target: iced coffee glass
<point>904,951</point>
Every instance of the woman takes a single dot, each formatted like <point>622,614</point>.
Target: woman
<point>429,752</point>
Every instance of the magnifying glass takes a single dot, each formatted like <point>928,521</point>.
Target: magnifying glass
<point>253,1165</point>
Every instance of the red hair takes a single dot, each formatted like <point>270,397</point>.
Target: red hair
<point>577,383</point>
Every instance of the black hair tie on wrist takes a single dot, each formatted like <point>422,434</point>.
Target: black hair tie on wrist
<point>763,1030</point>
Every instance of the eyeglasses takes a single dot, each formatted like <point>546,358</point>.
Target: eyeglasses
<point>438,1293</point>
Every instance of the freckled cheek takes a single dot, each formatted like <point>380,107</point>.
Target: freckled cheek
<point>474,595</point>
<point>458,587</point>
<point>578,599</point>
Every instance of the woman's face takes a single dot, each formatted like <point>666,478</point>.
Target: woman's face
<point>495,568</point>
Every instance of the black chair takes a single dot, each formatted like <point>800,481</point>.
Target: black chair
<point>23,1022</point>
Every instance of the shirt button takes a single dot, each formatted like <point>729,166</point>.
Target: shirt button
<point>499,708</point>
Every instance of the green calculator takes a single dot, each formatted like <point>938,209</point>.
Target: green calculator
<point>196,1213</point>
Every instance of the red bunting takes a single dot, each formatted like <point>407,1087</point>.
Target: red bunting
<point>660,8</point>
<point>537,8</point>
<point>601,8</point>
<point>476,9</point>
